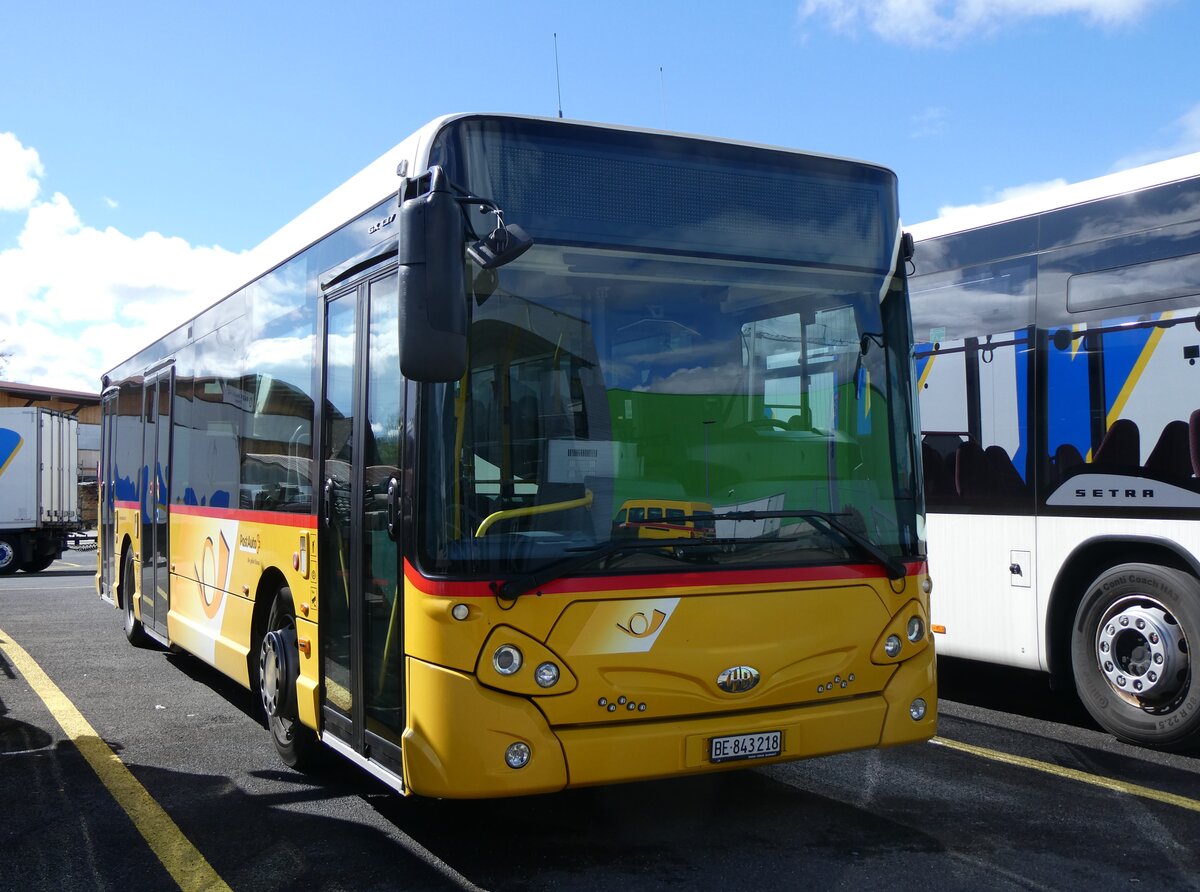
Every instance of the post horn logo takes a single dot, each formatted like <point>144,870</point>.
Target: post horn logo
<point>211,574</point>
<point>639,626</point>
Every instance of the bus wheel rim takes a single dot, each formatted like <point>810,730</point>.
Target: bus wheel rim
<point>1142,651</point>
<point>271,673</point>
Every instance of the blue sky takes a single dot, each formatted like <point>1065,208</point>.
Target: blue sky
<point>144,145</point>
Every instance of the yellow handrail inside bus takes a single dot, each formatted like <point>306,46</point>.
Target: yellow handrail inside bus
<point>393,628</point>
<point>548,508</point>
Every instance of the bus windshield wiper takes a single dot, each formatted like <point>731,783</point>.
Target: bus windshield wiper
<point>828,524</point>
<point>511,589</point>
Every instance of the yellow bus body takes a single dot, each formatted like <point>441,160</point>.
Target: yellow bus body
<point>639,656</point>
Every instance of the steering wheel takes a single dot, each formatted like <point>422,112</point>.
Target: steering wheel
<point>766,422</point>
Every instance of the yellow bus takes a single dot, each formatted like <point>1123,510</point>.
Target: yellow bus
<point>665,519</point>
<point>375,483</point>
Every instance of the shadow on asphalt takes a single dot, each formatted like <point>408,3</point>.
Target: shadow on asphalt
<point>1005,689</point>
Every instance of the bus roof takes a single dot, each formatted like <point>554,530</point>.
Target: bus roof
<point>378,179</point>
<point>1052,198</point>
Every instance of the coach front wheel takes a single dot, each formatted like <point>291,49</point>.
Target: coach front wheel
<point>1132,654</point>
<point>278,670</point>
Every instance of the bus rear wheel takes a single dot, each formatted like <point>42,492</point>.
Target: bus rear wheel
<point>278,670</point>
<point>1131,652</point>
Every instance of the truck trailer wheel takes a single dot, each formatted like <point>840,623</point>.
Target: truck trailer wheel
<point>1131,652</point>
<point>10,560</point>
<point>37,565</point>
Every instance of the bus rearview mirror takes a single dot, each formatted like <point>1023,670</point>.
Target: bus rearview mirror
<point>432,285</point>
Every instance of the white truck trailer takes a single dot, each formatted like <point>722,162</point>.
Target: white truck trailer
<point>39,487</point>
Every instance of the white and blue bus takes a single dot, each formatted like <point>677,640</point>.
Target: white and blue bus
<point>1057,343</point>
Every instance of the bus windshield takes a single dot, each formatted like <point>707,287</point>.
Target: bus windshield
<point>636,384</point>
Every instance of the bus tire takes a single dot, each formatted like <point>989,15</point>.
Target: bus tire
<point>9,555</point>
<point>135,633</point>
<point>1132,647</point>
<point>278,670</point>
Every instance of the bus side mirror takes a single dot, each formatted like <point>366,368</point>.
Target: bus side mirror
<point>433,295</point>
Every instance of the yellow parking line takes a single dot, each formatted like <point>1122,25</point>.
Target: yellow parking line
<point>177,854</point>
<point>1074,774</point>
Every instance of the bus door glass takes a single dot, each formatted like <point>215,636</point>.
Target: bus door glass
<point>360,588</point>
<point>156,478</point>
<point>108,428</point>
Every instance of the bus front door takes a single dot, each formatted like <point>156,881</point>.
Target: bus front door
<point>360,588</point>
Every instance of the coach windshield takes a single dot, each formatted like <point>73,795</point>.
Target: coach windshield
<point>700,350</point>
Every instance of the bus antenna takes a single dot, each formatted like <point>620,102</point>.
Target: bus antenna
<point>557,80</point>
<point>662,91</point>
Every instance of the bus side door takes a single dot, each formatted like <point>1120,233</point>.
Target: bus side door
<point>361,590</point>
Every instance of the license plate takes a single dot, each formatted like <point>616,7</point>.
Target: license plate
<point>745,746</point>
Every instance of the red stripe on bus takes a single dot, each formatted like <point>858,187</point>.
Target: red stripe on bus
<point>579,584</point>
<point>128,506</point>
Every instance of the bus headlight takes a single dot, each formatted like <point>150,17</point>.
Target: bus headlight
<point>517,755</point>
<point>916,629</point>
<point>917,709</point>
<point>546,675</point>
<point>892,646</point>
<point>507,659</point>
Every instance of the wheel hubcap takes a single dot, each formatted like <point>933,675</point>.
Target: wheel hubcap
<point>1142,651</point>
<point>274,674</point>
<point>7,555</point>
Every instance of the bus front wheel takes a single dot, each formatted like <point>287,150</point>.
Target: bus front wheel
<point>278,670</point>
<point>135,633</point>
<point>1132,655</point>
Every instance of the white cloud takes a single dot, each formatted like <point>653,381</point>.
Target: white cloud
<point>967,215</point>
<point>1010,193</point>
<point>20,173</point>
<point>928,122</point>
<point>924,22</point>
<point>1182,137</point>
<point>75,300</point>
